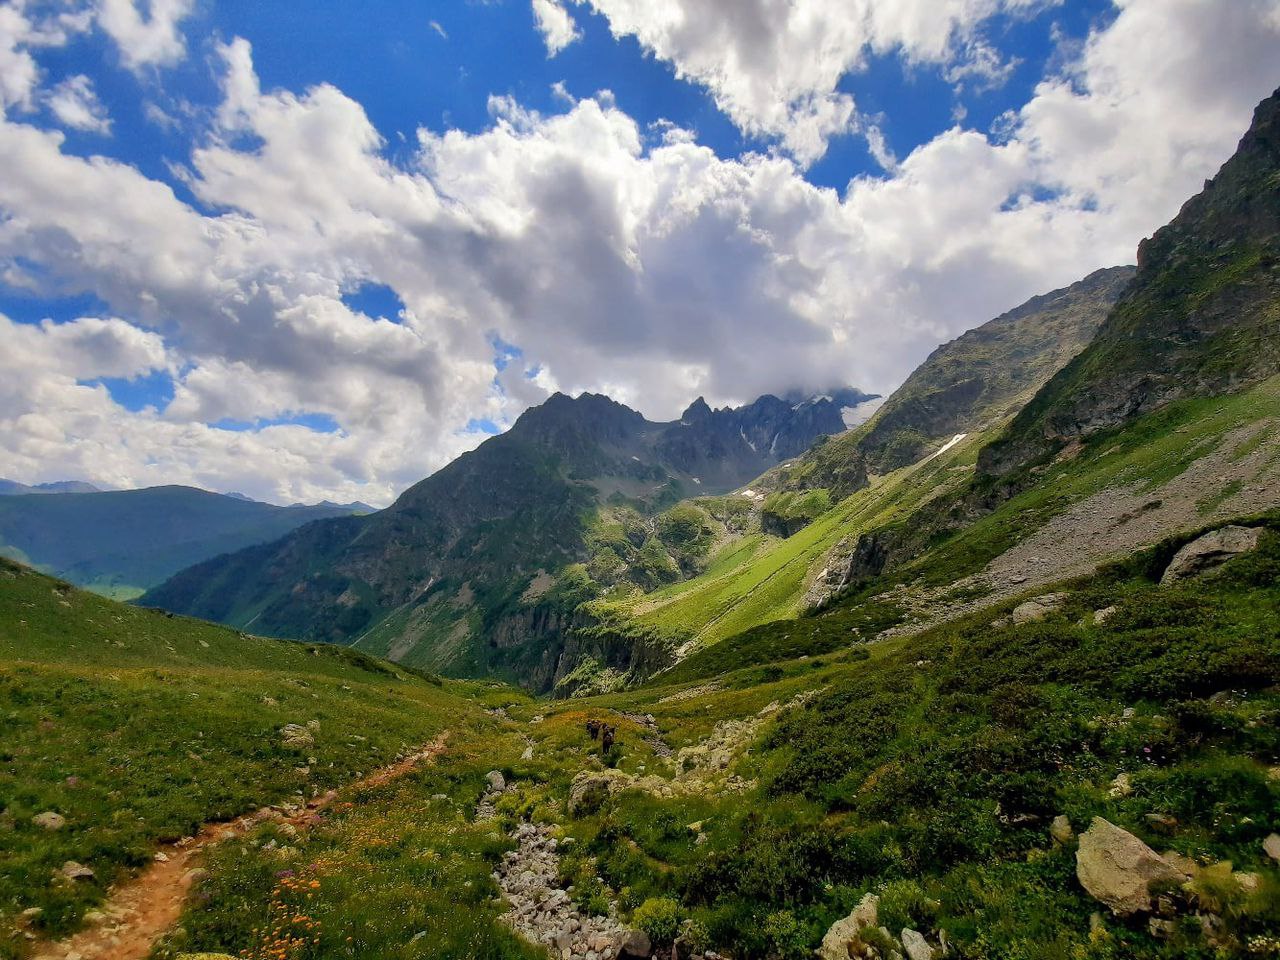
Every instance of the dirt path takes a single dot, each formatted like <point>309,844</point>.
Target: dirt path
<point>138,912</point>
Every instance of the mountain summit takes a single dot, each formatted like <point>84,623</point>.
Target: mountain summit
<point>436,572</point>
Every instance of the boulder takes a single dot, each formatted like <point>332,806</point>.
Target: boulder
<point>635,945</point>
<point>590,789</point>
<point>1118,869</point>
<point>916,946</point>
<point>1212,550</point>
<point>1271,847</point>
<point>1037,608</point>
<point>1061,830</point>
<point>49,820</point>
<point>835,945</point>
<point>1106,613</point>
<point>77,871</point>
<point>295,736</point>
<point>497,782</point>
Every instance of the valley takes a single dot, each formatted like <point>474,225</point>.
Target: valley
<point>994,673</point>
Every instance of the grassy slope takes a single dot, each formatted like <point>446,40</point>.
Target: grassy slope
<point>758,580</point>
<point>137,727</point>
<point>926,769</point>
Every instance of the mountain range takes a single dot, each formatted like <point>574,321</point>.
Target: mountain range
<point>121,542</point>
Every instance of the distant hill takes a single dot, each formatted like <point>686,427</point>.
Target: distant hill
<point>438,571</point>
<point>124,541</point>
<point>11,488</point>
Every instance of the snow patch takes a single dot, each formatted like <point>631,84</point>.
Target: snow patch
<point>860,413</point>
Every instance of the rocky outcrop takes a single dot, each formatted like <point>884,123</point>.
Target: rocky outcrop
<point>294,736</point>
<point>1037,608</point>
<point>591,788</point>
<point>1209,551</point>
<point>844,937</point>
<point>1119,870</point>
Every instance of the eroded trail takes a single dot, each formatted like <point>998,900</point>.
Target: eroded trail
<point>140,911</point>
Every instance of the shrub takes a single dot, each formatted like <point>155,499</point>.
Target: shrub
<point>659,918</point>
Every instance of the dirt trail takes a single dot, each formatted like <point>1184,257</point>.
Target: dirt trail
<point>139,911</point>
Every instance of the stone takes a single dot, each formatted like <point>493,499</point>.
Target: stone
<point>916,946</point>
<point>1121,786</point>
<point>1118,869</point>
<point>1209,551</point>
<point>49,820</point>
<point>294,736</point>
<point>497,782</point>
<point>1102,616</point>
<point>1271,847</point>
<point>528,754</point>
<point>590,789</point>
<point>835,945</point>
<point>76,871</point>
<point>1037,608</point>
<point>1183,864</point>
<point>1061,830</point>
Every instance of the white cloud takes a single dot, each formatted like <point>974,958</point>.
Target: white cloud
<point>435,25</point>
<point>555,24</point>
<point>775,66</point>
<point>23,28</point>
<point>617,260</point>
<point>147,32</point>
<point>75,103</point>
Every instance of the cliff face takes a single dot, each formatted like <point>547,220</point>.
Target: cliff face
<point>1202,316</point>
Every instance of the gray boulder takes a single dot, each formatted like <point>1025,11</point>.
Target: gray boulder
<point>49,820</point>
<point>1212,550</point>
<point>294,736</point>
<point>1271,846</point>
<point>1037,608</point>
<point>590,789</point>
<point>1061,830</point>
<point>846,932</point>
<point>635,945</point>
<point>1118,869</point>
<point>496,781</point>
<point>916,946</point>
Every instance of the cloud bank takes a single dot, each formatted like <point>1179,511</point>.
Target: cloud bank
<point>569,251</point>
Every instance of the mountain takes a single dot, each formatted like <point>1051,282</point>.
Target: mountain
<point>1202,317</point>
<point>10,488</point>
<point>965,386</point>
<point>122,542</point>
<point>432,579</point>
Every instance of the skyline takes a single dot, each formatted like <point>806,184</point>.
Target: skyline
<point>317,259</point>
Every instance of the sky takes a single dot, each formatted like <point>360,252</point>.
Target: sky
<point>315,251</point>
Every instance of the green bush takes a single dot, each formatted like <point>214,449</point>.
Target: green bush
<point>659,918</point>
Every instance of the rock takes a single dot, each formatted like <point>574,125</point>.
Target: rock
<point>294,736</point>
<point>1271,846</point>
<point>1184,865</point>
<point>1061,830</point>
<point>1212,550</point>
<point>1037,608</point>
<point>1102,616</point>
<point>1121,786</point>
<point>497,782</point>
<point>195,875</point>
<point>1161,929</point>
<point>528,754</point>
<point>1118,869</point>
<point>49,820</point>
<point>76,871</point>
<point>916,946</point>
<point>590,789</point>
<point>835,945</point>
<point>635,944</point>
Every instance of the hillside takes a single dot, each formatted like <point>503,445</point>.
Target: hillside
<point>1200,319</point>
<point>970,385</point>
<point>122,542</point>
<point>11,488</point>
<point>431,580</point>
<point>135,727</point>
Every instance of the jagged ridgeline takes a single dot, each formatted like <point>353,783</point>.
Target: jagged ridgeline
<point>445,576</point>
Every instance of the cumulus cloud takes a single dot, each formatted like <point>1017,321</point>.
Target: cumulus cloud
<point>24,28</point>
<point>555,24</point>
<point>147,32</point>
<point>775,66</point>
<point>75,103</point>
<point>653,271</point>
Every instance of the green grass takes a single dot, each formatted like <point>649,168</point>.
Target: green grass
<point>137,727</point>
<point>760,580</point>
<point>929,771</point>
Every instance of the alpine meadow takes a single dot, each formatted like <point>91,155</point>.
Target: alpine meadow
<point>577,479</point>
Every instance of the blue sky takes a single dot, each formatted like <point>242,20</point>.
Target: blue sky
<point>499,199</point>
